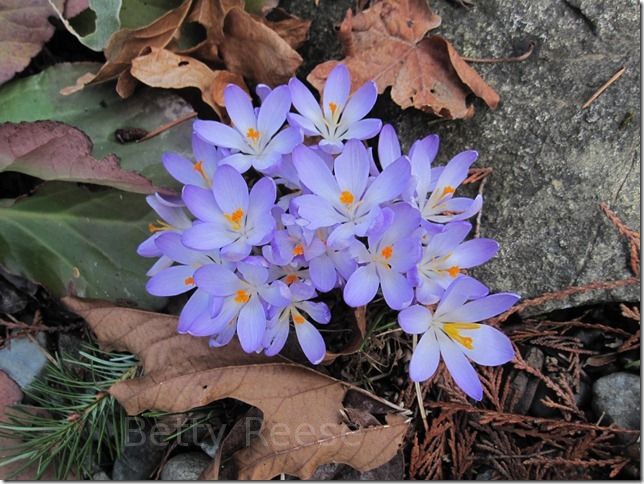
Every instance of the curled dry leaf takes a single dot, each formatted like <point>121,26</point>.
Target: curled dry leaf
<point>292,29</point>
<point>56,151</point>
<point>387,43</point>
<point>359,332</point>
<point>303,419</point>
<point>106,22</point>
<point>162,68</point>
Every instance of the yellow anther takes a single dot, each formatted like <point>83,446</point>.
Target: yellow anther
<point>452,330</point>
<point>333,107</point>
<point>454,271</point>
<point>235,218</point>
<point>290,279</point>
<point>298,250</point>
<point>189,281</point>
<point>346,197</point>
<point>198,167</point>
<point>253,134</point>
<point>159,227</point>
<point>447,191</point>
<point>387,252</point>
<point>298,319</point>
<point>242,297</point>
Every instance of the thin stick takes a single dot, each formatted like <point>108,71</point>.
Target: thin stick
<point>167,126</point>
<point>419,395</point>
<point>499,60</point>
<point>606,85</point>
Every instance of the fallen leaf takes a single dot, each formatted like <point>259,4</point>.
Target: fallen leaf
<point>292,29</point>
<point>10,392</point>
<point>56,151</point>
<point>302,419</point>
<point>24,29</point>
<point>162,68</point>
<point>74,7</point>
<point>359,329</point>
<point>386,43</point>
<point>255,51</point>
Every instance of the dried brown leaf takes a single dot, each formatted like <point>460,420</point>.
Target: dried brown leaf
<point>255,51</point>
<point>386,43</point>
<point>360,330</point>
<point>56,151</point>
<point>24,29</point>
<point>292,29</point>
<point>302,420</point>
<point>162,68</point>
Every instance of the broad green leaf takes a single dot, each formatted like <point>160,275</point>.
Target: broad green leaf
<point>99,112</point>
<point>106,21</point>
<point>139,13</point>
<point>76,241</point>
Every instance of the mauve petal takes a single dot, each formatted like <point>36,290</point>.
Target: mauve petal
<point>219,134</point>
<point>170,244</point>
<point>323,273</point>
<point>447,240</point>
<point>389,184</point>
<point>464,208</point>
<point>223,337</point>
<point>275,337</point>
<point>217,280</point>
<point>459,367</point>
<point>317,211</point>
<point>251,325</point>
<point>459,291</point>
<point>456,170</point>
<point>336,89</point>
<point>198,304</point>
<point>171,281</point>
<point>425,358</point>
<point>405,220</point>
<point>238,250</point>
<point>342,235</point>
<point>240,108</point>
<point>201,203</point>
<point>205,152</point>
<point>482,309</point>
<point>474,252</point>
<point>261,199</point>
<point>285,141</point>
<point>261,232</point>
<point>489,346</point>
<point>272,112</point>
<point>388,146</point>
<point>363,129</point>
<point>305,124</point>
<point>343,262</point>
<point>182,169</point>
<point>253,274</point>
<point>239,161</point>
<point>415,319</point>
<point>407,253</point>
<point>148,248</point>
<point>262,91</point>
<point>428,292</point>
<point>352,168</point>
<point>311,342</point>
<point>331,147</point>
<point>396,288</point>
<point>362,286</point>
<point>174,216</point>
<point>208,236</point>
<point>318,311</point>
<point>203,325</point>
<point>230,189</point>
<point>360,103</point>
<point>159,265</point>
<point>315,174</point>
<point>304,101</point>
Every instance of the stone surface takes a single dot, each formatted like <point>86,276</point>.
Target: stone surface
<point>617,396</point>
<point>11,301</point>
<point>553,162</point>
<point>394,470</point>
<point>185,467</point>
<point>22,360</point>
<point>141,455</point>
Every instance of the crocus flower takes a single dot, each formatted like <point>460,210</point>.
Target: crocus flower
<point>245,300</point>
<point>199,172</point>
<point>445,255</point>
<point>340,117</point>
<point>391,254</point>
<point>254,136</point>
<point>308,336</point>
<point>454,333</point>
<point>345,198</point>
<point>229,218</point>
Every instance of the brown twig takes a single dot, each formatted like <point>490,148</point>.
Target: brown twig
<point>167,126</point>
<point>499,60</point>
<point>603,88</point>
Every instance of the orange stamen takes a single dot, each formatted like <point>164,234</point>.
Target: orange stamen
<point>198,167</point>
<point>290,279</point>
<point>454,271</point>
<point>189,281</point>
<point>235,218</point>
<point>242,297</point>
<point>447,191</point>
<point>452,330</point>
<point>333,108</point>
<point>346,197</point>
<point>298,250</point>
<point>298,319</point>
<point>387,252</point>
<point>252,134</point>
<point>159,227</point>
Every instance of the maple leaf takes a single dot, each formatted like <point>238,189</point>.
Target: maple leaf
<point>304,418</point>
<point>386,43</point>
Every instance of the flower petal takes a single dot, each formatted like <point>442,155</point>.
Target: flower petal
<point>239,161</point>
<point>474,252</point>
<point>396,288</point>
<point>447,240</point>
<point>315,174</point>
<point>208,236</point>
<point>261,199</point>
<point>361,103</point>
<point>459,291</point>
<point>336,89</point>
<point>240,108</point>
<point>460,368</point>
<point>317,211</point>
<point>425,358</point>
<point>363,129</point>
<point>323,274</point>
<point>238,250</point>
<point>415,319</point>
<point>170,244</point>
<point>171,281</point>
<point>285,141</point>
<point>483,308</point>
<point>388,146</point>
<point>251,325</point>
<point>351,168</point>
<point>182,169</point>
<point>198,303</point>
<point>230,190</point>
<point>304,101</point>
<point>219,134</point>
<point>389,184</point>
<point>361,286</point>
<point>489,346</point>
<point>319,311</point>
<point>201,203</point>
<point>275,337</point>
<point>305,124</point>
<point>311,342</point>
<point>217,280</point>
<point>253,273</point>
<point>272,112</point>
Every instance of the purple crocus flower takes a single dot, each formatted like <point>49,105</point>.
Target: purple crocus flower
<point>199,172</point>
<point>391,254</point>
<point>454,333</point>
<point>245,301</point>
<point>308,336</point>
<point>345,198</point>
<point>445,255</point>
<point>341,116</point>
<point>254,136</point>
<point>229,218</point>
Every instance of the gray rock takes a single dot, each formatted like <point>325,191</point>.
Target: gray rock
<point>141,455</point>
<point>553,162</point>
<point>22,360</point>
<point>185,467</point>
<point>101,476</point>
<point>617,396</point>
<point>11,301</point>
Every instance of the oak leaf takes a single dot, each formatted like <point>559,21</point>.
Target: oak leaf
<point>162,68</point>
<point>386,43</point>
<point>359,329</point>
<point>56,151</point>
<point>303,419</point>
<point>291,28</point>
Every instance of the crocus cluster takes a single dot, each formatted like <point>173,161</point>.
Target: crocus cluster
<point>288,202</point>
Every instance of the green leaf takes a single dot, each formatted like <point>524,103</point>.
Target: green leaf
<point>99,112</point>
<point>139,13</point>
<point>106,22</point>
<point>76,241</point>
